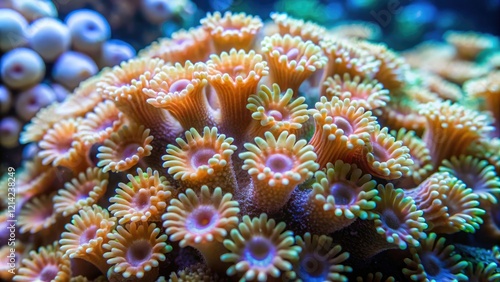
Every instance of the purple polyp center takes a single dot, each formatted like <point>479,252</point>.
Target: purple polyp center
<point>88,234</point>
<point>391,219</point>
<point>201,157</point>
<point>342,193</point>
<point>279,163</point>
<point>239,71</point>
<point>277,115</point>
<point>232,28</point>
<point>130,150</point>
<point>179,85</point>
<point>431,264</point>
<point>181,41</point>
<point>138,252</point>
<point>344,124</point>
<point>259,251</point>
<point>311,267</point>
<point>471,180</point>
<point>379,153</point>
<point>202,219</point>
<point>141,200</point>
<point>85,191</point>
<point>292,54</point>
<point>104,125</point>
<point>48,273</point>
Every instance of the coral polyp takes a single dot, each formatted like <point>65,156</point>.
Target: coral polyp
<point>251,150</point>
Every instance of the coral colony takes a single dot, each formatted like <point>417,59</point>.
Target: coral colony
<point>244,151</point>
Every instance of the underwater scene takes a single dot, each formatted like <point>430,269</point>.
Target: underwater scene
<point>233,140</point>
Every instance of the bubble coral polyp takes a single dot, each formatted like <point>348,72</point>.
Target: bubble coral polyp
<point>203,158</point>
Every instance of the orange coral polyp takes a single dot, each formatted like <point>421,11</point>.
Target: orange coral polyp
<point>399,221</point>
<point>291,60</point>
<point>342,128</point>
<point>369,93</point>
<point>295,27</point>
<point>35,178</point>
<point>448,205</point>
<point>125,84</point>
<point>118,83</point>
<point>45,264</point>
<point>38,214</point>
<point>202,160</point>
<point>188,218</point>
<point>235,76</point>
<point>446,90</point>
<point>422,163</point>
<point>135,251</point>
<point>346,57</point>
<point>274,112</point>
<point>476,174</point>
<point>144,198</point>
<point>84,190</point>
<point>44,120</point>
<point>392,67</point>
<point>180,90</point>
<point>469,45</point>
<point>258,238</point>
<point>488,90</point>
<point>448,123</point>
<point>125,148</point>
<point>202,221</point>
<point>84,98</point>
<point>339,196</point>
<point>232,30</point>
<point>277,166</point>
<point>61,147</point>
<point>357,30</point>
<point>98,125</point>
<point>85,235</point>
<point>192,45</point>
<point>386,158</point>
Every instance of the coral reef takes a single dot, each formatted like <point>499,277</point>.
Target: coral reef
<point>296,156</point>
